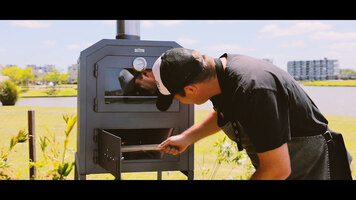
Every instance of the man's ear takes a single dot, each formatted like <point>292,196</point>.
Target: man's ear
<point>191,89</point>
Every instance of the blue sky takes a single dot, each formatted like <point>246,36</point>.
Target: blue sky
<point>59,42</point>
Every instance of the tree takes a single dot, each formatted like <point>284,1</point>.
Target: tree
<point>63,78</point>
<point>52,76</point>
<point>19,75</point>
<point>11,72</point>
<point>26,75</point>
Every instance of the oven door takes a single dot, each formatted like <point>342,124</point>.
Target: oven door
<point>116,89</point>
<point>109,152</point>
<point>137,147</point>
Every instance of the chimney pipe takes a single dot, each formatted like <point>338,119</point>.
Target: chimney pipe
<point>128,29</point>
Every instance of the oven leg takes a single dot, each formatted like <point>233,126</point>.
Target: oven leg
<point>118,167</point>
<point>189,174</point>
<point>80,177</point>
<point>77,175</point>
<point>159,175</point>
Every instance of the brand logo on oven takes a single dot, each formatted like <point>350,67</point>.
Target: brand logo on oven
<point>139,50</point>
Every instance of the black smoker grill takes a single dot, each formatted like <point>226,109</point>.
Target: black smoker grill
<point>112,125</point>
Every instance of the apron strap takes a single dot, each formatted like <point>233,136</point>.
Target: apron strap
<point>220,74</point>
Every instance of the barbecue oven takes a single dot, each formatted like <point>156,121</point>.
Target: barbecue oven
<point>119,130</point>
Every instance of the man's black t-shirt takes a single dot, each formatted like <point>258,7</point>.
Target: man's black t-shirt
<point>267,102</point>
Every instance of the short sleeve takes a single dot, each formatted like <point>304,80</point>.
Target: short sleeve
<point>267,119</point>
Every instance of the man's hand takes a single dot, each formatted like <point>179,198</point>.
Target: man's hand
<point>174,145</point>
<point>179,143</point>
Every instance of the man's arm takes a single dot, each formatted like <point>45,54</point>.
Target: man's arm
<point>204,128</point>
<point>178,143</point>
<point>273,164</point>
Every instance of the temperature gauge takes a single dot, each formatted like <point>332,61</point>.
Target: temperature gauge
<point>139,64</point>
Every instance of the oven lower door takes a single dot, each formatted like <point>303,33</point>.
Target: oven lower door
<point>109,152</point>
<point>119,146</point>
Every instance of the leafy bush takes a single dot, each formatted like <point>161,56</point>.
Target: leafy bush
<point>52,91</point>
<point>5,172</point>
<point>228,154</point>
<point>9,93</point>
<point>60,167</point>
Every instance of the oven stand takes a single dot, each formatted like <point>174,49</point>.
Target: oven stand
<point>78,176</point>
<point>109,156</point>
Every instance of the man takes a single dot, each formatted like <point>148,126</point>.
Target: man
<point>140,84</point>
<point>256,104</point>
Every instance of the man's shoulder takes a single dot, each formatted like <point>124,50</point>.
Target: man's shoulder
<point>250,73</point>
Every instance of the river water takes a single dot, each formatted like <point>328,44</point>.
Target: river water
<point>48,102</point>
<point>340,101</point>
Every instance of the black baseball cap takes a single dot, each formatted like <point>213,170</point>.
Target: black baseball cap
<point>173,70</point>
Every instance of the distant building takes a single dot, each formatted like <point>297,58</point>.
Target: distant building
<point>73,73</point>
<point>314,69</point>
<point>39,71</point>
<point>9,66</point>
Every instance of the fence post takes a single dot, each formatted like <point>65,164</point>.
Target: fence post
<point>32,141</point>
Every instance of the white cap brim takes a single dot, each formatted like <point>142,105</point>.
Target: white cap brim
<point>157,74</point>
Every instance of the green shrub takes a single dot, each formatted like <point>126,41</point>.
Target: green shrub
<point>9,93</point>
<point>52,154</point>
<point>6,173</point>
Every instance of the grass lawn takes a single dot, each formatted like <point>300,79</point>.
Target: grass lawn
<point>330,83</point>
<point>42,91</point>
<point>14,118</point>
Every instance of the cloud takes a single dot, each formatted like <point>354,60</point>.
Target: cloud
<point>186,41</point>
<point>333,35</point>
<point>80,46</point>
<point>31,24</point>
<point>273,30</point>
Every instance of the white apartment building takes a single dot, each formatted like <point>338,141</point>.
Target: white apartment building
<point>314,69</point>
<point>73,72</point>
<point>41,70</point>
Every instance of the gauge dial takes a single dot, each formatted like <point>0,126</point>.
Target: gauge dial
<point>139,64</point>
